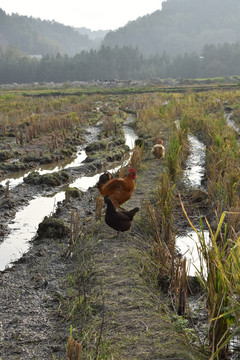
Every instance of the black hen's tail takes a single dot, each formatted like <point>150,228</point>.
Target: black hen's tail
<point>130,213</point>
<point>105,177</point>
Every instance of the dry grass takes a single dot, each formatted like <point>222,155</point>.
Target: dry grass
<point>74,349</point>
<point>99,207</point>
<point>219,276</point>
<point>136,160</point>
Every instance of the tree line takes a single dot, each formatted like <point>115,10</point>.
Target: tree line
<point>118,63</point>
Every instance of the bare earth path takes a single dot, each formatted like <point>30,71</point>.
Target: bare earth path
<point>101,294</point>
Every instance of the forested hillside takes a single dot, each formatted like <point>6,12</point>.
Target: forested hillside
<point>35,36</point>
<point>182,26</point>
<point>186,39</point>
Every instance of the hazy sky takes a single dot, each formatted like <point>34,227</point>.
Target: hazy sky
<point>93,14</point>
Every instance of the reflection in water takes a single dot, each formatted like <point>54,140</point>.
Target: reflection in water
<point>85,182</point>
<point>195,166</point>
<point>25,226</point>
<point>130,136</point>
<point>26,221</point>
<point>188,248</point>
<point>193,176</point>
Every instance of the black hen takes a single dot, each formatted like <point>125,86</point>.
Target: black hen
<point>118,220</point>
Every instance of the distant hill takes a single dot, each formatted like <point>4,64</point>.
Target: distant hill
<point>34,36</point>
<point>182,26</point>
<point>93,34</point>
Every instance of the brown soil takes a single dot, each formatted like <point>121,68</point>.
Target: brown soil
<point>99,289</point>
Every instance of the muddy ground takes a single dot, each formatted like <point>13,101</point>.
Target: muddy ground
<point>95,286</point>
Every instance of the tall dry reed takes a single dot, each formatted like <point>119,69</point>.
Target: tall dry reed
<point>219,275</point>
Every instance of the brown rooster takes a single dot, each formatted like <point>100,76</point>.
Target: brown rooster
<point>120,220</point>
<point>119,190</point>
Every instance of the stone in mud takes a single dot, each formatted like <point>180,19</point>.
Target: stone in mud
<point>52,228</point>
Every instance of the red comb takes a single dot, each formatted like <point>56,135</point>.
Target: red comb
<point>132,170</point>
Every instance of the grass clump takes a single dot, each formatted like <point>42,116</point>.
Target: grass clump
<point>52,179</point>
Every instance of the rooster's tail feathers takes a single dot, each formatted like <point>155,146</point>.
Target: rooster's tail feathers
<point>104,178</point>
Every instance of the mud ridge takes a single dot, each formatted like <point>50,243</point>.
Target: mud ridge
<point>124,311</point>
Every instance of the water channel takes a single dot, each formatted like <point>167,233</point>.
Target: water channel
<point>24,226</point>
<point>192,177</point>
<point>232,123</point>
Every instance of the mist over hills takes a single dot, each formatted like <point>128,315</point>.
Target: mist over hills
<point>35,36</point>
<point>182,26</point>
<point>186,39</point>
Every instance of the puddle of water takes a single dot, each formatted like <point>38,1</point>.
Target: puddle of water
<point>195,165</point>
<point>130,136</point>
<point>232,123</point>
<point>188,244</point>
<point>234,347</point>
<point>188,247</point>
<point>46,169</point>
<point>193,175</point>
<point>80,157</point>
<point>25,226</point>
<point>26,221</point>
<point>85,182</point>
<point>91,135</point>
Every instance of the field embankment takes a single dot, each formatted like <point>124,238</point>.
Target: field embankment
<point>120,297</point>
